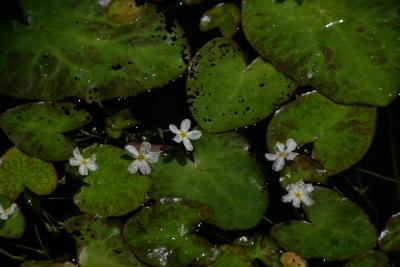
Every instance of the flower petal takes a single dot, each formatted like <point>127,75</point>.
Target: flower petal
<point>178,138</point>
<point>271,157</point>
<point>185,125</point>
<point>194,135</point>
<point>188,145</point>
<point>279,147</point>
<point>74,162</point>
<point>92,166</point>
<point>278,164</point>
<point>3,217</point>
<point>296,202</point>
<point>291,155</point>
<point>290,145</point>
<point>145,147</point>
<point>308,188</point>
<point>144,168</point>
<point>133,167</point>
<point>83,170</point>
<point>132,150</point>
<point>287,198</point>
<point>77,154</point>
<point>174,129</point>
<point>152,157</point>
<point>307,200</point>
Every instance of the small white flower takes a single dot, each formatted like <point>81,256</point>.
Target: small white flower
<point>298,193</point>
<point>281,154</point>
<point>6,213</point>
<point>104,3</point>
<point>183,134</point>
<point>142,158</point>
<point>205,19</point>
<point>84,164</point>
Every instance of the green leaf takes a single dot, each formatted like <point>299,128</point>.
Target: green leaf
<point>341,134</point>
<point>348,50</point>
<point>232,256</point>
<point>37,129</point>
<point>225,16</point>
<point>338,229</point>
<point>224,93</point>
<point>118,122</point>
<point>111,190</point>
<point>83,49</point>
<point>100,243</point>
<point>303,168</point>
<point>262,248</point>
<point>14,227</point>
<point>32,263</point>
<point>223,176</point>
<point>369,259</point>
<point>19,171</point>
<point>389,239</point>
<point>163,235</point>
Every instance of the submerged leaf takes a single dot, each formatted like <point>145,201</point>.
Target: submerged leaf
<point>224,94</point>
<point>341,134</point>
<point>338,229</point>
<point>37,129</point>
<point>232,256</point>
<point>223,176</point>
<point>83,49</point>
<point>348,50</point>
<point>225,16</point>
<point>14,226</point>
<point>389,239</point>
<point>118,122</point>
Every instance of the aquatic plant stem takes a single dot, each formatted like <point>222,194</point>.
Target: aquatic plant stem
<point>14,257</point>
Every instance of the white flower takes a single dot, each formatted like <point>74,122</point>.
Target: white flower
<point>298,193</point>
<point>142,158</point>
<point>184,134</point>
<point>6,213</point>
<point>281,154</point>
<point>205,19</point>
<point>104,3</point>
<point>84,164</point>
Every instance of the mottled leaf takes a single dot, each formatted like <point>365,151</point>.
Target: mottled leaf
<point>369,259</point>
<point>232,256</point>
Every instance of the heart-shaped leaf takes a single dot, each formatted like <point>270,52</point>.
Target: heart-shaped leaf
<point>83,49</point>
<point>100,243</point>
<point>348,50</point>
<point>369,259</point>
<point>37,128</point>
<point>338,229</point>
<point>14,226</point>
<point>19,171</point>
<point>389,239</point>
<point>163,235</point>
<point>341,134</point>
<point>111,190</point>
<point>224,94</point>
<point>223,176</point>
<point>225,16</point>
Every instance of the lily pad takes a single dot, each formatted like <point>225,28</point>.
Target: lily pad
<point>389,239</point>
<point>224,93</point>
<point>347,50</point>
<point>232,256</point>
<point>341,134</point>
<point>223,176</point>
<point>225,16</point>
<point>14,227</point>
<point>369,259</point>
<point>262,248</point>
<point>83,49</point>
<point>111,190</point>
<point>304,168</point>
<point>37,129</point>
<point>100,243</point>
<point>118,122</point>
<point>338,229</point>
<point>19,171</point>
<point>163,235</point>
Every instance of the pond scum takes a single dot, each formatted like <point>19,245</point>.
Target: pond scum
<point>200,133</point>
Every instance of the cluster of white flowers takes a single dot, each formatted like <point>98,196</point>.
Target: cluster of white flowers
<point>5,214</point>
<point>144,156</point>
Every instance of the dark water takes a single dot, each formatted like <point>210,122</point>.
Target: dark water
<point>379,198</point>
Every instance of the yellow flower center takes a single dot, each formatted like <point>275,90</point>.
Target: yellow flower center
<point>141,157</point>
<point>184,135</point>
<point>297,194</point>
<point>283,154</point>
<point>84,162</point>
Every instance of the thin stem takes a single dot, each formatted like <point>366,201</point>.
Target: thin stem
<point>44,250</point>
<point>14,257</point>
<point>379,175</point>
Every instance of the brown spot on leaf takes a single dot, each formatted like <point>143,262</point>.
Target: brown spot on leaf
<point>327,52</point>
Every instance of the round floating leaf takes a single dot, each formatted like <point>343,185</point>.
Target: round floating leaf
<point>224,93</point>
<point>369,259</point>
<point>83,49</point>
<point>225,16</point>
<point>338,229</point>
<point>18,170</point>
<point>341,134</point>
<point>232,256</point>
<point>389,239</point>
<point>163,235</point>
<point>223,176</point>
<point>37,128</point>
<point>304,168</point>
<point>348,50</point>
<point>111,190</point>
<point>262,248</point>
<point>14,227</point>
<point>100,243</point>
